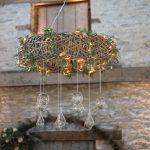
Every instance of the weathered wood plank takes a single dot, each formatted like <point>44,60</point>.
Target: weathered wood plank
<point>97,133</point>
<point>67,135</point>
<point>4,2</point>
<point>92,145</point>
<point>72,139</point>
<point>77,17</point>
<point>69,18</point>
<point>65,145</point>
<point>60,21</point>
<point>51,13</point>
<point>42,146</point>
<point>42,19</point>
<point>114,75</point>
<point>82,16</point>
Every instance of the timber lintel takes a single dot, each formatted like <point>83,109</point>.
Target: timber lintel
<point>20,78</point>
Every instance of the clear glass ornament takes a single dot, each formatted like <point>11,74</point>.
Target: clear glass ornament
<point>77,97</point>
<point>89,122</point>
<point>77,100</point>
<point>101,103</point>
<point>40,121</point>
<point>78,108</point>
<point>60,121</point>
<point>42,101</point>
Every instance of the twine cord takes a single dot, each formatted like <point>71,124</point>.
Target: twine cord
<point>100,83</point>
<point>58,75</point>
<point>58,14</point>
<point>77,76</point>
<point>89,86</point>
<point>43,78</point>
<point>58,82</point>
<point>77,79</point>
<point>60,109</point>
<point>40,82</point>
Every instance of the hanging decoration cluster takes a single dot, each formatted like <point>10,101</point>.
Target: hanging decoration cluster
<point>67,52</point>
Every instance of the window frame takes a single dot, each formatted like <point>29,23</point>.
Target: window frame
<point>35,7</point>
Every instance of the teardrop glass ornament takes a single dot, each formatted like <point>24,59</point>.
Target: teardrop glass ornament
<point>42,101</point>
<point>40,121</point>
<point>60,121</point>
<point>89,122</point>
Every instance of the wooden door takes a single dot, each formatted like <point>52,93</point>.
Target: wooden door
<point>73,16</point>
<point>65,145</point>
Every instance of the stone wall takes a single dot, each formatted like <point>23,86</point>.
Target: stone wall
<point>127,20</point>
<point>14,22</point>
<point>128,107</point>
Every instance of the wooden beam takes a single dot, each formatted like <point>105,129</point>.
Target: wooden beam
<point>67,135</point>
<point>97,133</point>
<point>6,2</point>
<point>115,75</point>
<point>77,132</point>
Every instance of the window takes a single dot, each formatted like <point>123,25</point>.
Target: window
<point>75,15</point>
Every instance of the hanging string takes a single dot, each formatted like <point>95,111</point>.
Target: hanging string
<point>43,77</point>
<point>89,122</point>
<point>42,73</point>
<point>52,25</point>
<point>58,75</point>
<point>60,92</point>
<point>77,79</point>
<point>40,82</point>
<point>100,83</point>
<point>58,82</point>
<point>89,84</point>
<point>77,72</point>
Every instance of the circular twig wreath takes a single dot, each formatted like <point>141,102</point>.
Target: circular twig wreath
<point>65,52</point>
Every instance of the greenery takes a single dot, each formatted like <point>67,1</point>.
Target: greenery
<point>63,62</point>
<point>16,138</point>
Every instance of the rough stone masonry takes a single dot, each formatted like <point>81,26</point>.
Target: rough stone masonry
<point>128,108</point>
<point>128,21</point>
<point>129,105</point>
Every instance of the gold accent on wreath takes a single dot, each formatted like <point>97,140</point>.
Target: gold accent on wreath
<point>65,52</point>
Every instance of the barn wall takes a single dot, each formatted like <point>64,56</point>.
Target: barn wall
<point>127,20</point>
<point>129,103</point>
<point>14,22</point>
<point>128,107</point>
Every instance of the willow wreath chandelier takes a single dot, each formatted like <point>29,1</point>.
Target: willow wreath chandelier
<point>64,51</point>
<point>67,54</point>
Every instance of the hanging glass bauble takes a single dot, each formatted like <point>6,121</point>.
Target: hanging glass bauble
<point>101,103</point>
<point>89,122</point>
<point>77,100</point>
<point>60,121</point>
<point>42,101</point>
<point>78,108</point>
<point>77,97</point>
<point>40,121</point>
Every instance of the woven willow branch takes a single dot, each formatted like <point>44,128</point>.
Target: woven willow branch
<point>61,49</point>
